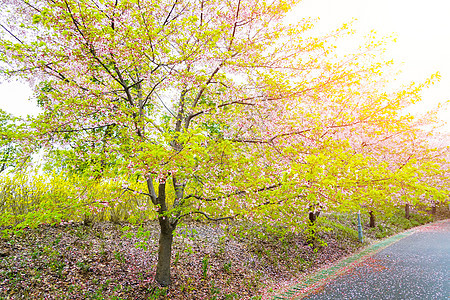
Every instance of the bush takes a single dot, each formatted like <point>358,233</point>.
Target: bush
<point>32,199</point>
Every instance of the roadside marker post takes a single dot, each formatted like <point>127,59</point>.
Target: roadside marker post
<point>360,232</point>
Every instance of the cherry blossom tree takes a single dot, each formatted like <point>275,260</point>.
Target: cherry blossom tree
<point>242,113</point>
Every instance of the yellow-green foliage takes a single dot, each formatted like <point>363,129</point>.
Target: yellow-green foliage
<point>30,200</point>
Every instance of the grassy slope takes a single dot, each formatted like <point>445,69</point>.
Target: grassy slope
<point>238,261</point>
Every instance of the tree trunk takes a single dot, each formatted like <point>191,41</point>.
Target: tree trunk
<point>372,219</point>
<point>313,216</point>
<point>433,208</point>
<point>164,256</point>
<point>312,229</point>
<point>165,234</point>
<point>407,211</point>
<point>167,226</point>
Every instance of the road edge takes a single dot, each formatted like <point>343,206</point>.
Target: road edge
<point>319,278</point>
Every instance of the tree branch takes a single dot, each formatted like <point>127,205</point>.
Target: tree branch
<point>242,102</point>
<point>170,12</point>
<point>86,129</point>
<point>266,188</point>
<point>208,217</point>
<point>8,31</point>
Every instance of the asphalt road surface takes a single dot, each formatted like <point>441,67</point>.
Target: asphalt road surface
<point>415,267</point>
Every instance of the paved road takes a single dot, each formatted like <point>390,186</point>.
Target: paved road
<point>416,267</point>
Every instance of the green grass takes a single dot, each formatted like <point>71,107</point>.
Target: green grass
<point>342,230</point>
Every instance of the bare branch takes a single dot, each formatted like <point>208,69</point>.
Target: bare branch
<point>142,193</point>
<point>208,217</point>
<point>235,25</point>
<point>85,129</point>
<point>266,188</point>
<point>7,30</point>
<point>33,7</point>
<point>241,102</point>
<point>166,21</point>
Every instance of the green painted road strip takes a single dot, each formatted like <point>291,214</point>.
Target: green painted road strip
<point>318,279</point>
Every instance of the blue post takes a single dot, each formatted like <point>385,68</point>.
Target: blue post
<point>360,231</point>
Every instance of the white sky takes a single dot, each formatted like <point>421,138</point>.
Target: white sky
<point>423,42</point>
<point>422,29</point>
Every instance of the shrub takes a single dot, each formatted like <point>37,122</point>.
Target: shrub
<point>33,199</point>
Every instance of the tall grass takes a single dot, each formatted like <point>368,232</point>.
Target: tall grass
<point>32,199</point>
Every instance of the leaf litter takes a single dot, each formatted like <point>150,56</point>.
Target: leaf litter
<point>102,261</point>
